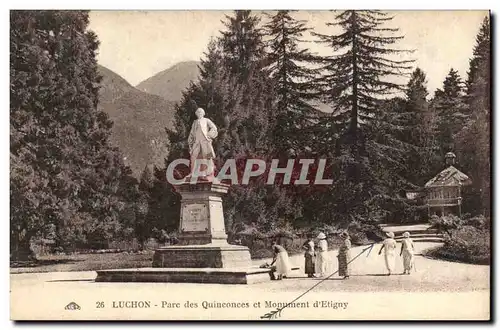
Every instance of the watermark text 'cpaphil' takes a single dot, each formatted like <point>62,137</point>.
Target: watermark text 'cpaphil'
<point>238,172</point>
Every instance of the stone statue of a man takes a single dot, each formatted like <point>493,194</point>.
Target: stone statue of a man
<point>203,131</point>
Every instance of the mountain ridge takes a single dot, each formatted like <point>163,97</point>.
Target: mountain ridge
<point>171,82</point>
<point>139,120</point>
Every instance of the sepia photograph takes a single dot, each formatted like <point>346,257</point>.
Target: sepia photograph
<point>260,165</point>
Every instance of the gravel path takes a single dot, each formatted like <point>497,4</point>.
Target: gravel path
<point>439,290</point>
<point>368,274</point>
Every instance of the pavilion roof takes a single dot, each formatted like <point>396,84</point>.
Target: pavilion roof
<point>450,176</point>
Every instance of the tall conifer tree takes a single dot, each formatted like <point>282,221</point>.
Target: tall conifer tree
<point>419,131</point>
<point>59,140</point>
<point>293,75</point>
<point>357,80</point>
<point>448,103</point>
<point>473,141</point>
<point>237,94</point>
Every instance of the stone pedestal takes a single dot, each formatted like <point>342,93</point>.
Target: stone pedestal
<point>203,254</point>
<point>202,217</point>
<point>202,233</point>
<point>186,275</point>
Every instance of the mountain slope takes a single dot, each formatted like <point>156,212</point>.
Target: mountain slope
<point>113,86</point>
<point>170,83</point>
<point>139,120</point>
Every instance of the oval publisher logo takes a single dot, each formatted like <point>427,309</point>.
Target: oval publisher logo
<point>72,306</point>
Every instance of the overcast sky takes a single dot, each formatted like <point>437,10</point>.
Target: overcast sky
<point>138,44</point>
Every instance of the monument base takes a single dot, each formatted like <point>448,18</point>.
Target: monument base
<point>202,256</point>
<point>186,275</point>
<point>209,263</point>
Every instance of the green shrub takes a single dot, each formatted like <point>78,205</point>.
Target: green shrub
<point>467,244</point>
<point>478,221</point>
<point>446,224</point>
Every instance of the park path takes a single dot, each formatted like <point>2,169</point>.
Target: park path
<point>367,274</point>
<point>438,290</point>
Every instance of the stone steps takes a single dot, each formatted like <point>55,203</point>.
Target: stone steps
<point>429,240</point>
<point>418,233</point>
<point>418,236</point>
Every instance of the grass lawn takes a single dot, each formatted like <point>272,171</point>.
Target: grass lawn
<point>92,261</point>
<point>85,262</point>
<point>121,260</point>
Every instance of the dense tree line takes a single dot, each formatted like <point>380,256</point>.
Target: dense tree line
<point>67,182</point>
<point>473,139</point>
<point>381,139</point>
<point>262,86</point>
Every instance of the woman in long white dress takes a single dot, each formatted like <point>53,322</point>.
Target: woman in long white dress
<point>407,251</point>
<point>321,255</point>
<point>281,260</point>
<point>389,248</point>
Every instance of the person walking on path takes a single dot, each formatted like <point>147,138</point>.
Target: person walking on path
<point>281,260</point>
<point>309,257</point>
<point>344,255</point>
<point>407,251</point>
<point>389,248</point>
<point>321,255</point>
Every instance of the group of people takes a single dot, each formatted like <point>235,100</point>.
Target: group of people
<point>407,251</point>
<point>316,256</point>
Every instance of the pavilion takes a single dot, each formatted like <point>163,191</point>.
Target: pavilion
<point>443,193</point>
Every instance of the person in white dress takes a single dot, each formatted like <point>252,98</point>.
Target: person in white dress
<point>407,251</point>
<point>389,248</point>
<point>281,262</point>
<point>321,255</point>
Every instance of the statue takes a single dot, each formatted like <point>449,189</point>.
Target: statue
<point>202,133</point>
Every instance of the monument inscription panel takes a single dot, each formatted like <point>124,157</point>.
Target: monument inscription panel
<point>194,217</point>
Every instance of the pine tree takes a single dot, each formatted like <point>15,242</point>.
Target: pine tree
<point>243,54</point>
<point>357,81</point>
<point>480,55</point>
<point>233,90</point>
<point>450,110</point>
<point>58,137</point>
<point>419,130</point>
<point>236,93</point>
<point>241,44</point>
<point>291,70</point>
<point>359,75</point>
<point>473,141</point>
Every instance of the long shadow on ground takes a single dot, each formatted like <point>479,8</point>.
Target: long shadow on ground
<point>76,280</point>
<point>40,263</point>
